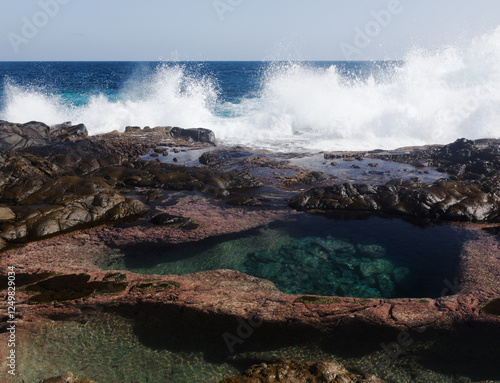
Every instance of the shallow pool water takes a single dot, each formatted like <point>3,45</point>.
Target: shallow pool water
<point>182,348</point>
<point>309,254</point>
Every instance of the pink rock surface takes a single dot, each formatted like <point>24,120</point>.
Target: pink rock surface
<point>225,292</point>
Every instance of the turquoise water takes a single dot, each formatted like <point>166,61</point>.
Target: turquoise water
<point>369,258</point>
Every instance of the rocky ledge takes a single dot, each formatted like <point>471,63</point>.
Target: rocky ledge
<point>56,180</point>
<point>471,194</point>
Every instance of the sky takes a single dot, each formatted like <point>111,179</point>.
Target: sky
<point>239,30</point>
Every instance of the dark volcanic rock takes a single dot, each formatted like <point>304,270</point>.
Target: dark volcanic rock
<point>443,200</point>
<point>174,177</point>
<point>223,158</point>
<point>294,372</point>
<point>465,159</point>
<point>196,135</point>
<point>19,136</point>
<point>72,213</point>
<point>58,179</point>
<point>244,201</point>
<point>67,131</point>
<point>167,219</point>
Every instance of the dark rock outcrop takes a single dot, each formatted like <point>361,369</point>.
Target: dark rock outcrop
<point>195,135</point>
<point>464,159</point>
<point>67,131</point>
<point>57,179</point>
<point>178,135</point>
<point>19,136</point>
<point>445,200</point>
<point>72,213</point>
<point>167,219</point>
<point>224,158</point>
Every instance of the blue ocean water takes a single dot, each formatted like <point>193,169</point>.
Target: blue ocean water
<point>430,97</point>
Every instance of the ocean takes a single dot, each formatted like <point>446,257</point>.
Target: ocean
<point>427,98</point>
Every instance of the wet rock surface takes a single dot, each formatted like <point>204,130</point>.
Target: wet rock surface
<point>54,180</point>
<point>446,200</point>
<point>224,157</point>
<point>19,136</point>
<point>465,159</point>
<point>470,194</point>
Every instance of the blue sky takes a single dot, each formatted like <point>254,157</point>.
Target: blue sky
<point>236,29</point>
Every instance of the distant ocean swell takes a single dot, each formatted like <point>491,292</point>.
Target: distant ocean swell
<point>430,97</point>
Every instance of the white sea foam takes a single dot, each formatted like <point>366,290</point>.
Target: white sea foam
<point>432,97</point>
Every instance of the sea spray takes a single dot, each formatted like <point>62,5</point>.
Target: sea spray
<point>170,95</point>
<point>428,98</point>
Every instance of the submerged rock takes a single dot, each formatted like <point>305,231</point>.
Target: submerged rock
<point>295,372</point>
<point>325,266</point>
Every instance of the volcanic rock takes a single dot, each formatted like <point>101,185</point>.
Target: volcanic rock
<point>223,157</point>
<point>456,201</point>
<point>67,131</point>
<point>167,219</point>
<point>194,135</point>
<point>71,213</point>
<point>19,136</point>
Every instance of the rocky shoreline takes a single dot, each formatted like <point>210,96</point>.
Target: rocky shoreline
<point>68,199</point>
